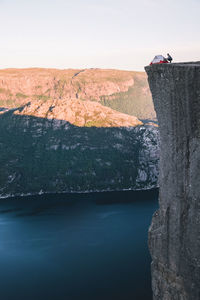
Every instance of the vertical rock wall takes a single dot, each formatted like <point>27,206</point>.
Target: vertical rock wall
<point>174,235</point>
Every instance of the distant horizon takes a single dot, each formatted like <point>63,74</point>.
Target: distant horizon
<point>62,69</point>
<point>88,67</point>
<point>92,68</point>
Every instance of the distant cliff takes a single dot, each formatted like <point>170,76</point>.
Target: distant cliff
<point>58,135</point>
<point>174,236</point>
<point>124,91</point>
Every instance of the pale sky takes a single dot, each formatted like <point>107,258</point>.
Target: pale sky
<point>117,34</point>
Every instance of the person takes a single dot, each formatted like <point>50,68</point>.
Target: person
<point>169,58</point>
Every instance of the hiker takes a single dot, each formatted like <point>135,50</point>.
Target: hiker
<point>169,58</point>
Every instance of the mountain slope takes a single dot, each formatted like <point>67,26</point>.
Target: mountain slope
<point>77,112</point>
<point>50,155</point>
<point>124,91</point>
<point>56,136</point>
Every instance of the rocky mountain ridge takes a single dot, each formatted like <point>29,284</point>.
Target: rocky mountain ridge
<point>88,83</point>
<point>77,112</point>
<point>124,91</point>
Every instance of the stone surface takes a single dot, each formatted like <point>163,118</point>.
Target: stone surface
<point>174,235</point>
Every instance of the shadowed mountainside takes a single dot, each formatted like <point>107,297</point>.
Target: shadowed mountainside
<point>49,155</point>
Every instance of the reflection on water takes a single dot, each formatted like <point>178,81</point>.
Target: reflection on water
<point>82,246</point>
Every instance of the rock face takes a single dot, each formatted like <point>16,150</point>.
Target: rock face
<point>50,155</point>
<point>174,235</point>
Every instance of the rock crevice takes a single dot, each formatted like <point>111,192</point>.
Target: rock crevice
<point>174,235</point>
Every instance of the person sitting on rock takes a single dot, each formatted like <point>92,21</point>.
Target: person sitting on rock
<point>169,58</point>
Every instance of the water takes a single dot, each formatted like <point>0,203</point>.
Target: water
<point>71,247</point>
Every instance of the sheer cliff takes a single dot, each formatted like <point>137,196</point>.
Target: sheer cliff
<point>174,235</point>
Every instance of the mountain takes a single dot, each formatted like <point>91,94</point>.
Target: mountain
<point>124,91</point>
<point>56,136</point>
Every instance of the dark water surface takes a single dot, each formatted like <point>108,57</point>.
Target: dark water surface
<point>76,246</point>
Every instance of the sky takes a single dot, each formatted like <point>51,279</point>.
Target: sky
<point>115,34</point>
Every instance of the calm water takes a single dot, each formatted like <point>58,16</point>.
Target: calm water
<point>83,246</point>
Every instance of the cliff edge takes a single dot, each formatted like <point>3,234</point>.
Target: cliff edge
<point>174,235</point>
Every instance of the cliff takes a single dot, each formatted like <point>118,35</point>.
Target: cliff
<point>43,155</point>
<point>174,235</point>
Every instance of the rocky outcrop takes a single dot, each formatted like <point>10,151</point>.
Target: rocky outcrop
<point>77,112</point>
<point>174,235</point>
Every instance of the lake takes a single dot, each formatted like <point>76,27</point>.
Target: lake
<point>76,246</point>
